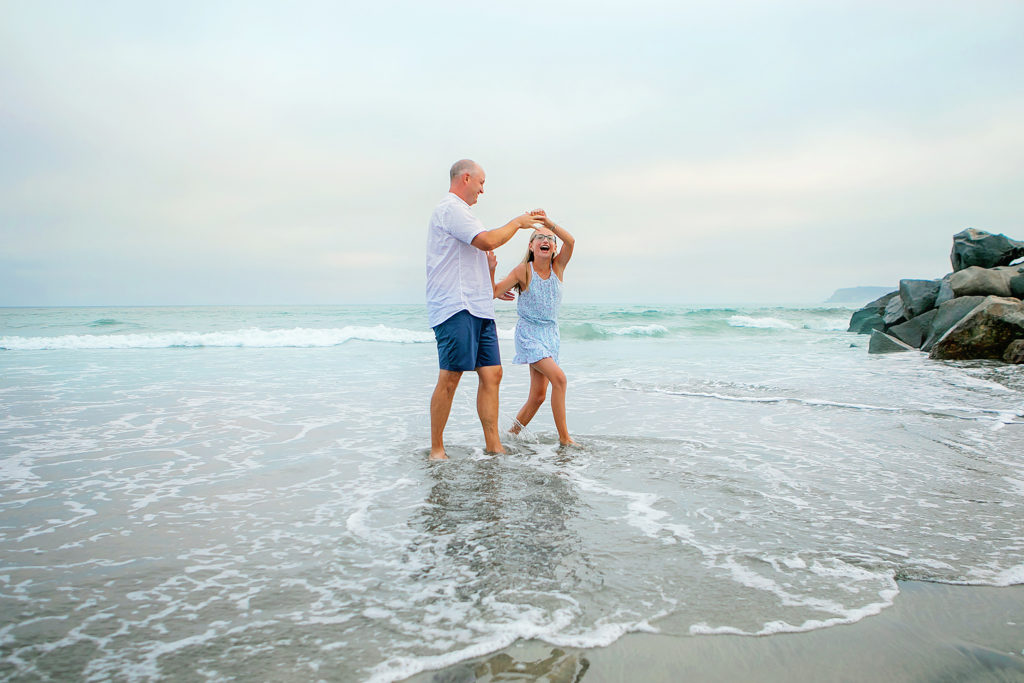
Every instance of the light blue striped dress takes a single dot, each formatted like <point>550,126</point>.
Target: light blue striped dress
<point>537,329</point>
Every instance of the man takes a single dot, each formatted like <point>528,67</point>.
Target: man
<point>460,302</point>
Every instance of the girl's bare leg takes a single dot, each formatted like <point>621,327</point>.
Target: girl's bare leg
<point>538,392</point>
<point>549,368</point>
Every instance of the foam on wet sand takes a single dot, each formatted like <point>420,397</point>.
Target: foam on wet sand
<point>932,632</point>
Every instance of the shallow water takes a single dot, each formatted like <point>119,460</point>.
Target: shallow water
<point>244,491</point>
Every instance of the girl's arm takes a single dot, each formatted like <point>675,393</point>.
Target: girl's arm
<point>516,277</point>
<point>492,264</point>
<point>568,242</point>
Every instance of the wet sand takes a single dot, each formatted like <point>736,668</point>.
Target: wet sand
<point>933,632</point>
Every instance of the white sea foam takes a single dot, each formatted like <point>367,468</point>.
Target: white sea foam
<point>827,324</point>
<point>251,338</point>
<point>849,616</point>
<point>602,635</point>
<point>772,323</point>
<point>1014,576</point>
<point>639,331</point>
<point>997,416</point>
<point>518,627</point>
<point>764,323</point>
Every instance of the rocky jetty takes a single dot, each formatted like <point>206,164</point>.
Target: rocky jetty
<point>976,311</point>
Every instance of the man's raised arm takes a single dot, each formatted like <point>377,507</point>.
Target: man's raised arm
<point>492,239</point>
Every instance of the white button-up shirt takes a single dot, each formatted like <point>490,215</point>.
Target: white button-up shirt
<point>457,274</point>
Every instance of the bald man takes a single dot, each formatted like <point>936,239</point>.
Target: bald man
<point>460,302</point>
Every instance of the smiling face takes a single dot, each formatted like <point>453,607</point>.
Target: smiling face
<point>474,185</point>
<point>542,244</point>
<point>467,181</point>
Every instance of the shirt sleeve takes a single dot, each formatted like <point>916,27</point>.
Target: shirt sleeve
<point>461,224</point>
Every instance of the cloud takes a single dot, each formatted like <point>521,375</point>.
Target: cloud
<point>843,162</point>
<point>238,143</point>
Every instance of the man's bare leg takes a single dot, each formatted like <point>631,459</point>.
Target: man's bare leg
<point>440,408</point>
<point>487,406</point>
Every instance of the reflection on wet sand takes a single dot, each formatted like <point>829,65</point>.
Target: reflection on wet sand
<point>557,667</point>
<point>502,526</point>
<point>500,536</point>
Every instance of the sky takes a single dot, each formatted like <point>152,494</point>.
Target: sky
<point>176,153</point>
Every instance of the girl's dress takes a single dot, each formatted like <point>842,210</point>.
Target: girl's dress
<point>537,329</point>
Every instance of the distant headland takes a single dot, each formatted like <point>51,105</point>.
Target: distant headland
<point>857,295</point>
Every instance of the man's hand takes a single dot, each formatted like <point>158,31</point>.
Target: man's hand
<point>541,216</point>
<point>507,296</point>
<point>528,220</point>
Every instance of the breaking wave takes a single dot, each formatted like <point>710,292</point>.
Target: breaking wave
<point>592,331</point>
<point>253,338</point>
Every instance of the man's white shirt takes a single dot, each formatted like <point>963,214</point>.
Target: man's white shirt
<point>457,274</point>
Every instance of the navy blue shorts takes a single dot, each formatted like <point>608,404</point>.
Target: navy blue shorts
<point>466,342</point>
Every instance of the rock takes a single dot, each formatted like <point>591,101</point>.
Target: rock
<point>985,332</point>
<point>915,330</point>
<point>1014,352</point>
<point>870,316</point>
<point>1017,286</point>
<point>918,296</point>
<point>883,343</point>
<point>945,291</point>
<point>979,248</point>
<point>947,315</point>
<point>894,313</point>
<point>862,322</point>
<point>977,281</point>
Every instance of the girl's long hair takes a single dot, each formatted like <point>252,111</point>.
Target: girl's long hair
<point>529,257</point>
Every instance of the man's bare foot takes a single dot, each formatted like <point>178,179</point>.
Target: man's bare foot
<point>438,454</point>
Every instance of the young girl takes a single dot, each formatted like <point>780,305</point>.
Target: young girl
<point>539,281</point>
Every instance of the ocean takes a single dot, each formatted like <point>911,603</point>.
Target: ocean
<point>244,492</point>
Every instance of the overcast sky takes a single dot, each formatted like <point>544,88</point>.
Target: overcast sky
<point>291,153</point>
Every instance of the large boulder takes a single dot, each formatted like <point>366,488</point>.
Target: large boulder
<point>985,332</point>
<point>918,296</point>
<point>894,313</point>
<point>915,330</point>
<point>979,248</point>
<point>978,281</point>
<point>870,316</point>
<point>882,343</point>
<point>947,315</point>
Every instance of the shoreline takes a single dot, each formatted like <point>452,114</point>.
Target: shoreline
<point>931,632</point>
